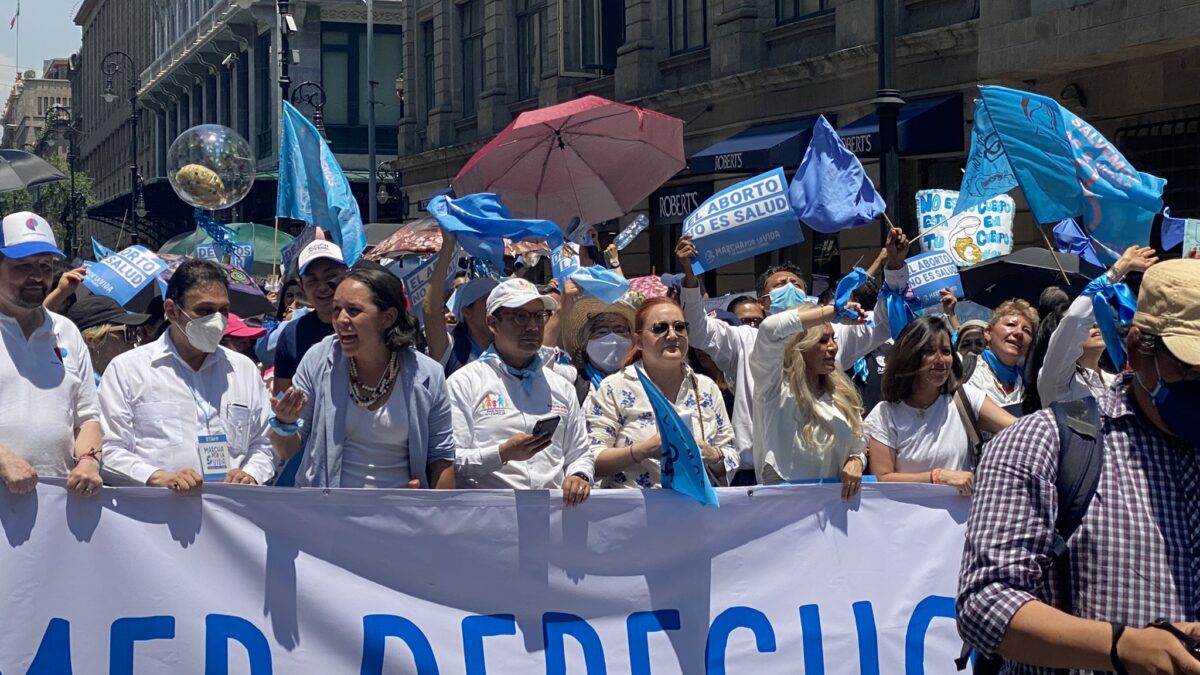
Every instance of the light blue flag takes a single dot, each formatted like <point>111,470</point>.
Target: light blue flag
<point>682,464</point>
<point>830,191</point>
<point>988,173</point>
<point>1067,169</point>
<point>601,283</point>
<point>1070,238</point>
<point>101,251</point>
<point>481,223</point>
<point>313,188</point>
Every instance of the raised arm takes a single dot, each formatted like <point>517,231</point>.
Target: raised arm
<point>434,311</point>
<point>723,343</point>
<point>856,341</point>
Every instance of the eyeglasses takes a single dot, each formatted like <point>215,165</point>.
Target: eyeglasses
<point>522,318</point>
<point>660,329</point>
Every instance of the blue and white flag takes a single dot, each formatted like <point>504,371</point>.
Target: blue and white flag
<point>121,276</point>
<point>564,261</point>
<point>743,221</point>
<point>830,191</point>
<point>100,250</point>
<point>482,222</point>
<point>601,283</point>
<point>988,172</point>
<point>313,188</point>
<point>1066,169</point>
<point>682,464</point>
<point>1069,237</point>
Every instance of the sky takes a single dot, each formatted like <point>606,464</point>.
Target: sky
<point>47,31</point>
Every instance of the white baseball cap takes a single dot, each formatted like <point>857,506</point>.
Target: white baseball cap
<point>320,249</point>
<point>24,234</point>
<point>517,293</point>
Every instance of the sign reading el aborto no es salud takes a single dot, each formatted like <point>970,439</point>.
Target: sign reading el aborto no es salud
<point>244,580</point>
<point>742,221</point>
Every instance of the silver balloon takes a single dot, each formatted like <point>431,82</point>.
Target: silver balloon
<point>210,166</point>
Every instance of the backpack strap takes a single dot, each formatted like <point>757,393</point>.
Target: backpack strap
<point>1080,460</point>
<point>970,424</point>
<point>969,361</point>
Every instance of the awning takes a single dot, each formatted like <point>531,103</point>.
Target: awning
<point>759,148</point>
<point>926,126</point>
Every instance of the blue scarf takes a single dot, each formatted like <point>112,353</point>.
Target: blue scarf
<point>844,290</point>
<point>1103,292</point>
<point>594,375</point>
<point>527,375</point>
<point>899,313</point>
<point>1008,375</point>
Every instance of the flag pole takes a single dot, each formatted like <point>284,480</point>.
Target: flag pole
<point>890,224</point>
<point>1054,253</point>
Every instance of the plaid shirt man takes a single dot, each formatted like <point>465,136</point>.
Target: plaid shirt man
<point>1135,557</point>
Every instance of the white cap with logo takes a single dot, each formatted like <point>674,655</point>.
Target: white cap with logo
<point>24,234</point>
<point>320,249</point>
<point>517,293</point>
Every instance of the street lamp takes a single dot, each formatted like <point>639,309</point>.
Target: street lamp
<point>389,188</point>
<point>59,121</point>
<point>119,63</point>
<point>312,94</point>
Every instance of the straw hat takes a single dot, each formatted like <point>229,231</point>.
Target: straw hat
<point>572,321</point>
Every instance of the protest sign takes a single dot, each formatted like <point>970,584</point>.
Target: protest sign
<point>564,261</point>
<point>122,275</point>
<point>979,233</point>
<point>291,251</point>
<point>481,581</point>
<point>416,280</point>
<point>929,273</point>
<point>241,254</point>
<point>742,221</point>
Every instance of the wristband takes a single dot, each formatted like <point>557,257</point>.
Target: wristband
<point>1118,629</point>
<point>93,455</point>
<point>283,429</point>
<point>935,475</point>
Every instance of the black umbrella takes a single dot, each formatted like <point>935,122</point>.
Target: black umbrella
<point>20,170</point>
<point>1025,274</point>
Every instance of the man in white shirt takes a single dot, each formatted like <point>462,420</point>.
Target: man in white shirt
<point>731,347</point>
<point>183,409</point>
<point>51,421</point>
<point>517,424</point>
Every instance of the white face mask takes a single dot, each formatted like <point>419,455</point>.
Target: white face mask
<point>205,332</point>
<point>606,352</point>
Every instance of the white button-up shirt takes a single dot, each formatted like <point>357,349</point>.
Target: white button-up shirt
<point>490,406</point>
<point>48,392</point>
<point>155,408</point>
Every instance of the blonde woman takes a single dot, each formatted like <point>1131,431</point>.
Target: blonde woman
<point>808,414</point>
<point>107,329</point>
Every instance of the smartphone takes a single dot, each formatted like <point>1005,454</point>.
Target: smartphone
<point>546,426</point>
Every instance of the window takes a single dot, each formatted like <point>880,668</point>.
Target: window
<point>427,59</point>
<point>210,101</point>
<point>688,24</point>
<point>344,77</point>
<point>592,31</point>
<point>529,41</point>
<point>790,10</point>
<point>1170,150</point>
<point>471,27</point>
<point>160,145</point>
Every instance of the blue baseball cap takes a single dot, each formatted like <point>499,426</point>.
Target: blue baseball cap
<point>24,234</point>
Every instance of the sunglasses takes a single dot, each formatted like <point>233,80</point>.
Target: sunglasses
<point>660,329</point>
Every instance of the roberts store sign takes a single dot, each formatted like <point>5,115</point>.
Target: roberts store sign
<point>670,205</point>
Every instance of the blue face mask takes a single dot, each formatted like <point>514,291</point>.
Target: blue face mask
<point>786,297</point>
<point>1177,403</point>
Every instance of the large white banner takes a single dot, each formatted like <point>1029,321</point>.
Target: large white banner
<point>263,580</point>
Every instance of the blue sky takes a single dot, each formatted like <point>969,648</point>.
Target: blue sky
<point>47,31</point>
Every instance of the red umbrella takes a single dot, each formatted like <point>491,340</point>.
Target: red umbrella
<point>425,236</point>
<point>589,158</point>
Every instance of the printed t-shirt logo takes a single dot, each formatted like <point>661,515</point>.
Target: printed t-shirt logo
<point>493,404</point>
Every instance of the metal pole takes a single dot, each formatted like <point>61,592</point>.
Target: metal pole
<point>134,188</point>
<point>372,207</point>
<point>285,52</point>
<point>887,105</point>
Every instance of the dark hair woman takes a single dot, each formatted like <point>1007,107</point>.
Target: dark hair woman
<point>375,410</point>
<point>289,295</point>
<point>917,433</point>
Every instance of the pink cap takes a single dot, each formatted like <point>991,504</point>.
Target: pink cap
<point>235,327</point>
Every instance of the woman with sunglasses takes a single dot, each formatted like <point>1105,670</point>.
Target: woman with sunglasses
<point>621,426</point>
<point>807,414</point>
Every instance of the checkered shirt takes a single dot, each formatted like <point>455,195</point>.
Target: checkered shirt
<point>1136,555</point>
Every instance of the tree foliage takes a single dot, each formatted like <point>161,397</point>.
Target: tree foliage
<point>53,200</point>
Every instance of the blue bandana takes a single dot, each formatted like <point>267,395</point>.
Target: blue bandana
<point>594,375</point>
<point>527,375</point>
<point>861,371</point>
<point>1008,375</point>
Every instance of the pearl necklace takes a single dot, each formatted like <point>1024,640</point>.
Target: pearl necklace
<point>368,396</point>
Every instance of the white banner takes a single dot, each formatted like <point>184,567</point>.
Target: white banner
<point>977,234</point>
<point>261,580</point>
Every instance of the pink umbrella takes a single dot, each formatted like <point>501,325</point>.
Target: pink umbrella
<point>589,158</point>
<point>424,236</point>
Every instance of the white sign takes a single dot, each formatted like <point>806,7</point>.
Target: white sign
<point>975,235</point>
<point>245,579</point>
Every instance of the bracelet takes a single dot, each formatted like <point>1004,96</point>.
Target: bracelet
<point>93,455</point>
<point>284,429</point>
<point>632,459</point>
<point>935,475</point>
<point>1118,629</point>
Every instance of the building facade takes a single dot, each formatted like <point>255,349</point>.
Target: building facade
<point>743,74</point>
<point>24,116</point>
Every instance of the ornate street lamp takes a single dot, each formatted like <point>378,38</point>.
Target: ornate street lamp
<point>389,188</point>
<point>312,94</point>
<point>118,63</point>
<point>60,123</point>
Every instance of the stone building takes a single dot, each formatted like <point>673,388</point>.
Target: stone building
<point>24,115</point>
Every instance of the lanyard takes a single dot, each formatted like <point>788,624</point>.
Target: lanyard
<point>203,405</point>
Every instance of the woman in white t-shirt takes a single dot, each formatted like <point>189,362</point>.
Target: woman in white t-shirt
<point>917,434</point>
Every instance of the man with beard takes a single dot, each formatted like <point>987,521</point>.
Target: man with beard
<point>51,421</point>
